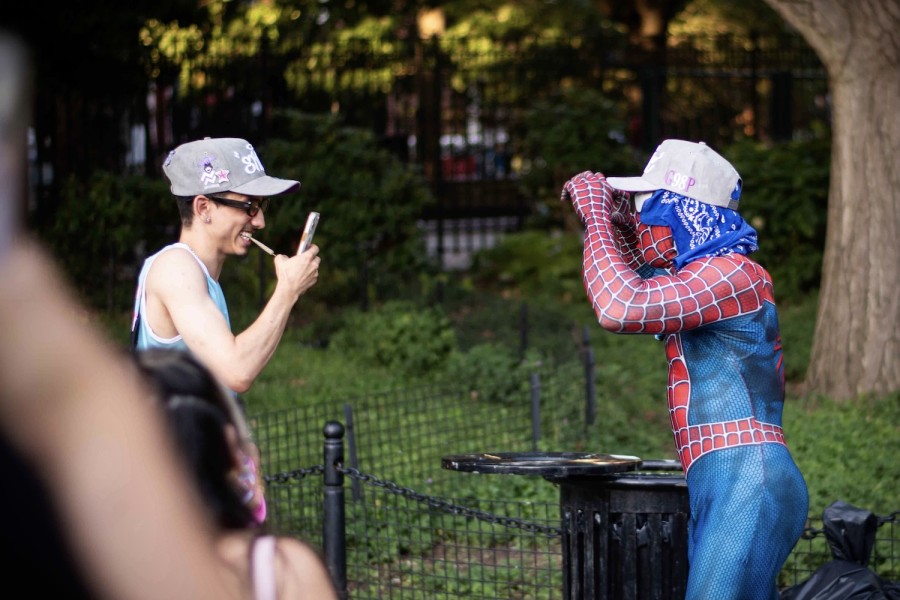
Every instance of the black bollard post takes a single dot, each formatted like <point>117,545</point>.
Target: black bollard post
<point>355,486</point>
<point>535,410</point>
<point>334,526</point>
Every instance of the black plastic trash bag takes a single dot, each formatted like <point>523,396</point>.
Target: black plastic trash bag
<point>850,532</point>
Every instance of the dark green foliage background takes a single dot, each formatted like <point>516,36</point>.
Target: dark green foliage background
<point>370,204</point>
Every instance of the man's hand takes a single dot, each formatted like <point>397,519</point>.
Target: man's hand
<point>621,215</point>
<point>589,194</point>
<point>592,197</point>
<point>299,272</point>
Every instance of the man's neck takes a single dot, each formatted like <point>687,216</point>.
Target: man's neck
<point>205,251</point>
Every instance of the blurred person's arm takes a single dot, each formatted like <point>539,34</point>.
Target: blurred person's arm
<point>74,407</point>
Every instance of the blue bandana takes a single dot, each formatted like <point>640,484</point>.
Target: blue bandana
<point>699,229</point>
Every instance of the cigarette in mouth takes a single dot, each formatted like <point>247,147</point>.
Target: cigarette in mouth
<point>265,248</point>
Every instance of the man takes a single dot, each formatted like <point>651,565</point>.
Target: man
<point>678,269</point>
<point>222,192</point>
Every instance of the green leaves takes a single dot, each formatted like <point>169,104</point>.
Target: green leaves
<point>370,203</point>
<point>101,225</point>
<point>785,197</point>
<point>572,130</point>
<point>399,336</point>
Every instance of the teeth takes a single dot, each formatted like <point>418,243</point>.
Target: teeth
<point>246,235</point>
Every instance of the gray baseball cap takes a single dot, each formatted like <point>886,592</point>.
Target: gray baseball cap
<point>213,165</point>
<point>690,169</point>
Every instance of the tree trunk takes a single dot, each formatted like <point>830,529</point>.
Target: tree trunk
<point>856,346</point>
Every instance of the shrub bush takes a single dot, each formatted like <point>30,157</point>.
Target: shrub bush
<point>532,264</point>
<point>492,371</point>
<point>370,203</point>
<point>102,226</point>
<point>398,335</point>
<point>785,198</point>
<point>571,131</point>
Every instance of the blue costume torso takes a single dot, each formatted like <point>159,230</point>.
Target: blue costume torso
<point>748,498</point>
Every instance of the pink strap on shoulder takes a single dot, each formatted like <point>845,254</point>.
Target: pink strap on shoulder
<point>264,568</point>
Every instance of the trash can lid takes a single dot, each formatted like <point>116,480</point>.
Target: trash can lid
<point>544,464</point>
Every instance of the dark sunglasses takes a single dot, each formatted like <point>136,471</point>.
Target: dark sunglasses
<point>251,207</point>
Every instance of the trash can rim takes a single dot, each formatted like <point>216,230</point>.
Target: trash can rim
<point>545,464</point>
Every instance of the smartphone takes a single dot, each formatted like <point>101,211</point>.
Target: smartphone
<point>308,231</point>
<point>15,62</point>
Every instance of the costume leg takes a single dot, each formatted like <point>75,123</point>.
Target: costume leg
<point>748,508</point>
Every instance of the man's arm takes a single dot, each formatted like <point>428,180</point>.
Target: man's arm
<point>176,287</point>
<point>704,291</point>
<point>77,409</point>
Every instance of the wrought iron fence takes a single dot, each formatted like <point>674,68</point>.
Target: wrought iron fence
<point>399,542</point>
<point>416,530</point>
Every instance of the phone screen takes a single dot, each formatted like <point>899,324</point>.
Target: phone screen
<point>308,231</point>
<point>14,117</point>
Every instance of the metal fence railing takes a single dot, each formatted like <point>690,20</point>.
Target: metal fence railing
<point>415,530</point>
<point>400,543</point>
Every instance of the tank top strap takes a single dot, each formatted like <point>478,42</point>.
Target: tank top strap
<point>263,568</point>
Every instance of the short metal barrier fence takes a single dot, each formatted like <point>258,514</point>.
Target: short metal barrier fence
<point>393,541</point>
<point>415,530</point>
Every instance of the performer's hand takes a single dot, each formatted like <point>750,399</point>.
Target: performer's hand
<point>589,194</point>
<point>621,215</point>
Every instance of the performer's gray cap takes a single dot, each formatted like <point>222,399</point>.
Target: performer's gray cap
<point>689,169</point>
<point>214,165</point>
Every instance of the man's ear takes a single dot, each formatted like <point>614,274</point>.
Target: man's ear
<point>201,208</point>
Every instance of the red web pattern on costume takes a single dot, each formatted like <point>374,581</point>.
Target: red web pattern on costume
<point>704,291</point>
<point>657,244</point>
<point>693,441</point>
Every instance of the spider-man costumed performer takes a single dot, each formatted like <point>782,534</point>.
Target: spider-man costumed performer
<point>677,268</point>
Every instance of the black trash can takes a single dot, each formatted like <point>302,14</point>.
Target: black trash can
<point>625,535</point>
<point>624,520</point>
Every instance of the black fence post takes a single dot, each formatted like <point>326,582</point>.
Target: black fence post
<point>523,331</point>
<point>590,411</point>
<point>781,125</point>
<point>355,485</point>
<point>754,78</point>
<point>334,525</point>
<point>535,410</point>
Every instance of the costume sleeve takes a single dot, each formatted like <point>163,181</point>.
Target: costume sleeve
<point>624,294</point>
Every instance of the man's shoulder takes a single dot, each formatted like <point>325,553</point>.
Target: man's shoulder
<point>173,263</point>
<point>175,254</point>
<point>737,270</point>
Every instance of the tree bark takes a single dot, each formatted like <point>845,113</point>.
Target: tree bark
<point>856,345</point>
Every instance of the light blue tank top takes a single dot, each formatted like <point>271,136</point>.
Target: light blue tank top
<point>146,338</point>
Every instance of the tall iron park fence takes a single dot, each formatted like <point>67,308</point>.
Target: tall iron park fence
<point>458,111</point>
<point>405,527</point>
<point>455,112</point>
<point>456,106</point>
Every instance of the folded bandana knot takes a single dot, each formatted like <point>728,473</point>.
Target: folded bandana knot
<point>699,229</point>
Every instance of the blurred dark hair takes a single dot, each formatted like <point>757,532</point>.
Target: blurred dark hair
<point>197,408</point>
